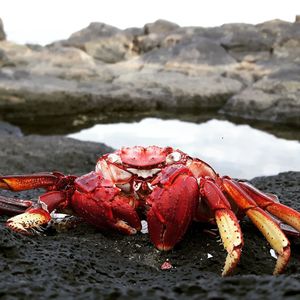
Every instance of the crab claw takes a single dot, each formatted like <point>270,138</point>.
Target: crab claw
<point>30,222</point>
<point>172,204</point>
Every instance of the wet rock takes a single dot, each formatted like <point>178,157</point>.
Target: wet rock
<point>268,100</point>
<point>173,90</point>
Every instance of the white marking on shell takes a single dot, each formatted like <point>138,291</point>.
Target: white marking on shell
<point>43,205</point>
<point>136,186</point>
<point>114,158</point>
<point>119,175</point>
<point>112,172</point>
<point>209,255</point>
<point>58,216</point>
<point>143,173</point>
<point>273,253</point>
<point>151,188</point>
<point>102,167</point>
<point>144,229</point>
<point>98,167</point>
<point>173,157</point>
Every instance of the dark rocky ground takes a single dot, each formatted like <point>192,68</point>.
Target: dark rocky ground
<point>87,264</point>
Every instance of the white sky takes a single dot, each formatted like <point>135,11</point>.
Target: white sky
<point>43,21</point>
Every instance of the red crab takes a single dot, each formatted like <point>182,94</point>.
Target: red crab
<point>164,186</point>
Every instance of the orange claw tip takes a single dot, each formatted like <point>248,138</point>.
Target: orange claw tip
<point>29,222</point>
<point>231,261</point>
<point>163,247</point>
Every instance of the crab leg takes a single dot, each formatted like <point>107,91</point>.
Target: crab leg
<point>12,206</point>
<point>38,214</point>
<point>227,223</point>
<point>33,215</point>
<point>268,227</point>
<point>27,182</point>
<point>283,212</point>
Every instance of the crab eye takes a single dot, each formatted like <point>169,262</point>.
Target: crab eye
<point>173,157</point>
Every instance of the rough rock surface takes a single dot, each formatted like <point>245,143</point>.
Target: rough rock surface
<point>249,71</point>
<point>87,264</point>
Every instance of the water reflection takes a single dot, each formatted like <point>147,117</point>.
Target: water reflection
<point>236,150</point>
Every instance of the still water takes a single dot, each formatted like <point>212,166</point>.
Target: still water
<point>235,150</point>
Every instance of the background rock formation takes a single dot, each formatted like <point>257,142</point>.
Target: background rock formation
<point>242,70</point>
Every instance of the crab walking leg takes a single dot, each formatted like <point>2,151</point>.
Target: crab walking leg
<point>12,206</point>
<point>227,223</point>
<point>283,212</point>
<point>32,220</point>
<point>268,227</point>
<point>27,182</point>
<point>231,236</point>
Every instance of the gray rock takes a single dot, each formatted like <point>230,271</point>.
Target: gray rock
<point>103,42</point>
<point>159,27</point>
<point>286,38</point>
<point>279,31</point>
<point>61,62</point>
<point>3,58</point>
<point>8,129</point>
<point>111,49</point>
<point>245,37</point>
<point>161,67</point>
<point>146,43</point>
<point>172,90</point>
<point>2,33</point>
<point>195,51</point>
<point>93,32</point>
<point>270,100</point>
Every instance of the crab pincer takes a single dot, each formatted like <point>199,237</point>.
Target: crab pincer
<point>172,204</point>
<point>30,222</point>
